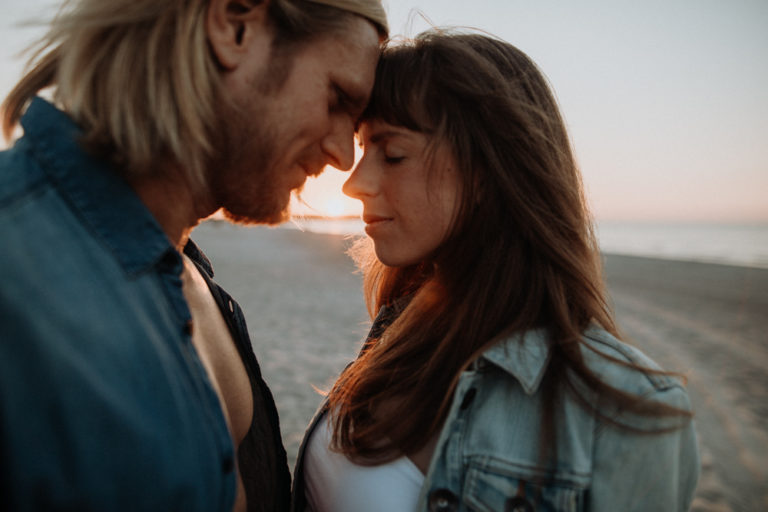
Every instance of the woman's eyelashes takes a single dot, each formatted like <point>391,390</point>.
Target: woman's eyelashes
<point>393,153</point>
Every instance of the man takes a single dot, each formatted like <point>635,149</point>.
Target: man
<point>127,380</point>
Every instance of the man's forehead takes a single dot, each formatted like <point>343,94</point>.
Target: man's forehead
<point>354,52</point>
<point>372,10</point>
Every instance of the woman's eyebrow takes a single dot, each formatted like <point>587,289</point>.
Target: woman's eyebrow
<point>378,137</point>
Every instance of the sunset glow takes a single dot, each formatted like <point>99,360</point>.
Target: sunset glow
<point>322,196</point>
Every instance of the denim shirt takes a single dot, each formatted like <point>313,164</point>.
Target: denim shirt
<point>488,455</point>
<point>104,403</point>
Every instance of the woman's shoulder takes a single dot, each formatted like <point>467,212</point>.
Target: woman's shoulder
<point>525,358</point>
<point>627,369</point>
<point>624,366</point>
<point>618,364</point>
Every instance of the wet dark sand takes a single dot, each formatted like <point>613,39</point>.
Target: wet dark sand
<point>306,317</point>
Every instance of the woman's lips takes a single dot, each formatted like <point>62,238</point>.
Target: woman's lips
<point>375,223</point>
<point>373,219</point>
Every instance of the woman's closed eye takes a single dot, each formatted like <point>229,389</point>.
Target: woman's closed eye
<point>392,159</point>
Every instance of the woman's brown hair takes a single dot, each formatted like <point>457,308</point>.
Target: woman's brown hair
<point>521,253</point>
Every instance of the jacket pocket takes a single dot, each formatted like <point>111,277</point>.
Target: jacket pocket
<point>496,486</point>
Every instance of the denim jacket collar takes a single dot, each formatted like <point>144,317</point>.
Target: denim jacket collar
<point>524,356</point>
<point>104,200</point>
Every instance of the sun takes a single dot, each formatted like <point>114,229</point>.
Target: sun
<point>322,196</point>
<point>335,207</point>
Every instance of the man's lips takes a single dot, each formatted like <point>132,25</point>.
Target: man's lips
<point>312,170</point>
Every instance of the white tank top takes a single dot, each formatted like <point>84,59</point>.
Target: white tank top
<point>336,484</point>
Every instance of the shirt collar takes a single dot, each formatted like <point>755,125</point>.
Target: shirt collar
<point>102,199</point>
<point>196,254</point>
<point>524,356</point>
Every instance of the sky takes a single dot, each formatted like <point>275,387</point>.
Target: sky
<point>666,101</point>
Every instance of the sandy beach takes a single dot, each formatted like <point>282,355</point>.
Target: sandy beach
<point>306,317</point>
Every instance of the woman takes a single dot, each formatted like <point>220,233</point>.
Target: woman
<point>492,378</point>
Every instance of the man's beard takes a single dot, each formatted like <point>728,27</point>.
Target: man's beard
<point>243,178</point>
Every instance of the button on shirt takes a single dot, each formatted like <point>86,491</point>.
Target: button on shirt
<point>104,404</point>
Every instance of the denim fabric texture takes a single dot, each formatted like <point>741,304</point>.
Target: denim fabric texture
<point>488,454</point>
<point>104,403</point>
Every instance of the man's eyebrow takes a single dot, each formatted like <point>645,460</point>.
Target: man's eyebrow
<point>355,103</point>
<point>359,102</point>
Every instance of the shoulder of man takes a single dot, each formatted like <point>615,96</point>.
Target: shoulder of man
<point>19,173</point>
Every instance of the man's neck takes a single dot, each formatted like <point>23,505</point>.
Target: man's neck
<point>174,203</point>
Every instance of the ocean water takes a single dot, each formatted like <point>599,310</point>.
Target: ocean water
<point>730,244</point>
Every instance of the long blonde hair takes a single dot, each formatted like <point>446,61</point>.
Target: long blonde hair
<point>135,75</point>
<point>139,79</point>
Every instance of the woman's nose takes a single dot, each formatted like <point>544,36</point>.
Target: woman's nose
<point>362,182</point>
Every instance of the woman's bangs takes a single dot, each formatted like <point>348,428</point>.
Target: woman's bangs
<point>398,96</point>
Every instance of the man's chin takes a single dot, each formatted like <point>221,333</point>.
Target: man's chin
<point>263,218</point>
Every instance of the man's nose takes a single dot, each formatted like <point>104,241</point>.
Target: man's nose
<point>339,144</point>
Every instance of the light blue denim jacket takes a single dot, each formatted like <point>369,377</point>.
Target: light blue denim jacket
<point>488,453</point>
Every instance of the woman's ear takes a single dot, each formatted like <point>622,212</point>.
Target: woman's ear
<point>232,26</point>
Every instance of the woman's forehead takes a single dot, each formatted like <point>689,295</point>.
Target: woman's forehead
<point>378,130</point>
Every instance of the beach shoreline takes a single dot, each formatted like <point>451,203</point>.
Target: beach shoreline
<point>304,306</point>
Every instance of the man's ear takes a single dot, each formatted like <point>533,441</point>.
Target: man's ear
<point>232,26</point>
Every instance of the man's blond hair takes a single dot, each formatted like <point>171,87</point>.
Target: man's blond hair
<point>139,79</point>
